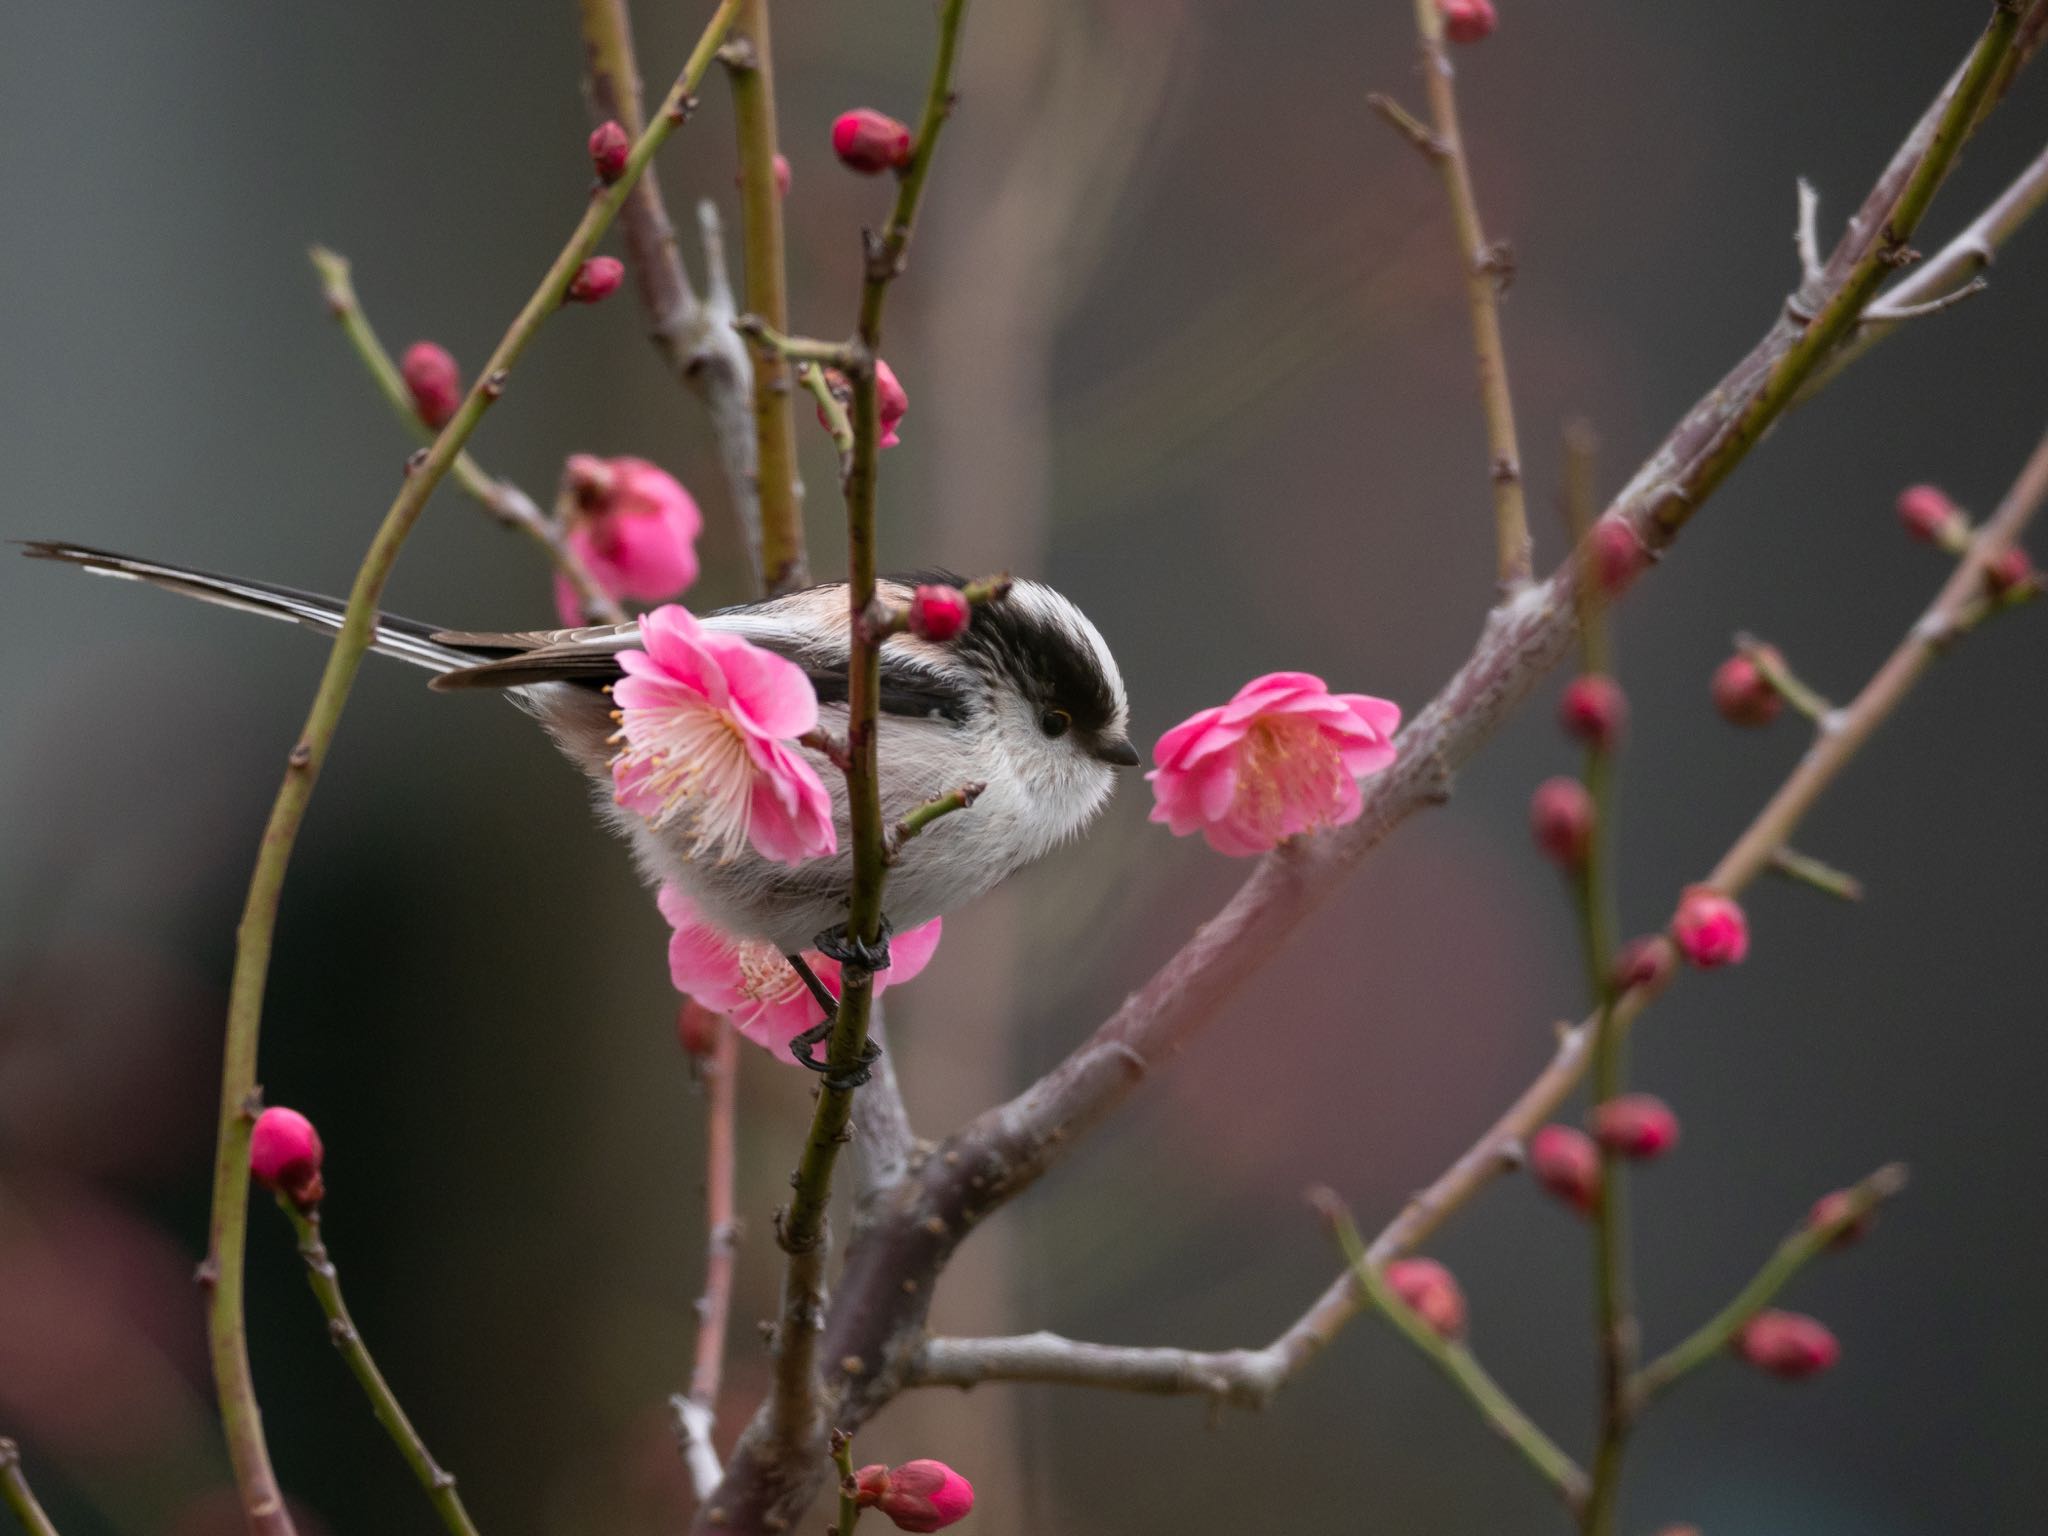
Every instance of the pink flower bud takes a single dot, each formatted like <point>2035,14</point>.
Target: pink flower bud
<point>598,278</point>
<point>891,403</point>
<point>1709,928</point>
<point>609,151</point>
<point>433,381</point>
<point>1642,962</point>
<point>2009,571</point>
<point>938,612</point>
<point>1565,1162</point>
<point>1431,1293</point>
<point>1618,555</point>
<point>1561,821</point>
<point>633,527</point>
<point>697,1028</point>
<point>1593,710</point>
<point>1926,513</point>
<point>870,142</point>
<point>1743,695</point>
<point>285,1155</point>
<point>1640,1126</point>
<point>1787,1344</point>
<point>1831,1208</point>
<point>1467,21</point>
<point>919,1495</point>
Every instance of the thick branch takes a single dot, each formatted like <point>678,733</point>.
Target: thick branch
<point>18,1496</point>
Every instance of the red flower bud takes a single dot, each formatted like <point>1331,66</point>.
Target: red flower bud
<point>1561,821</point>
<point>1743,695</point>
<point>433,381</point>
<point>1831,1208</point>
<point>697,1028</point>
<point>938,612</point>
<point>2008,571</point>
<point>1467,21</point>
<point>1618,555</point>
<point>919,1495</point>
<point>1636,1125</point>
<point>870,142</point>
<point>609,151</point>
<point>285,1155</point>
<point>1565,1162</point>
<point>1593,709</point>
<point>1709,928</point>
<point>598,278</point>
<point>1787,1344</point>
<point>1431,1293</point>
<point>1642,962</point>
<point>891,403</point>
<point>1927,514</point>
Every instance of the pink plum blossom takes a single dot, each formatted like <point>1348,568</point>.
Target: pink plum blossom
<point>635,530</point>
<point>749,980</point>
<point>706,722</point>
<point>1283,757</point>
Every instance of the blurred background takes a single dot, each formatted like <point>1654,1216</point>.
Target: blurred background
<point>1182,334</point>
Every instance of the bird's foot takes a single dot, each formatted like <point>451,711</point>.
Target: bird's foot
<point>819,1033</point>
<point>849,949</point>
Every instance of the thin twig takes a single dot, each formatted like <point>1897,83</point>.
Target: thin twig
<point>1806,1243</point>
<point>341,1328</point>
<point>1457,1362</point>
<point>924,815</point>
<point>1806,236</point>
<point>750,65</point>
<point>719,1073</point>
<point>222,1271</point>
<point>692,333</point>
<point>832,409</point>
<point>1807,870</point>
<point>500,498</point>
<point>1771,665</point>
<point>1483,270</point>
<point>1888,311</point>
<point>849,1490</point>
<point>17,1494</point>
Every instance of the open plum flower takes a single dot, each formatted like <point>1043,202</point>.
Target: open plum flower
<point>1281,758</point>
<point>750,982</point>
<point>706,722</point>
<point>634,528</point>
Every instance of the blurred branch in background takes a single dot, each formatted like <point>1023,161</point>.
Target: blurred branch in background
<point>18,1496</point>
<point>693,334</point>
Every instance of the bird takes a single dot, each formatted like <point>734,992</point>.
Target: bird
<point>1026,702</point>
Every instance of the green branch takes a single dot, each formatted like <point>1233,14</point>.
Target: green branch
<point>17,1494</point>
<point>241,1420</point>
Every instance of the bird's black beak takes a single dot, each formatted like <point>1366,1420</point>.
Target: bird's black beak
<point>1117,750</point>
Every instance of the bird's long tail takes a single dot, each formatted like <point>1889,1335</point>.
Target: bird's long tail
<point>406,639</point>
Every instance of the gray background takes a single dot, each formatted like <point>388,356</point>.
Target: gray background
<point>1189,343</point>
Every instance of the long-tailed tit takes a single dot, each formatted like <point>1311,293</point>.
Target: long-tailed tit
<point>1026,701</point>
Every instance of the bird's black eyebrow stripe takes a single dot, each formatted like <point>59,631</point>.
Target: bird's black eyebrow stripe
<point>1046,660</point>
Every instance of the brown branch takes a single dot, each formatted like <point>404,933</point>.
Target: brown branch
<point>694,335</point>
<point>696,1411</point>
<point>1251,1376</point>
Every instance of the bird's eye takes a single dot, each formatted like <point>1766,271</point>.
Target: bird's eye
<point>1055,722</point>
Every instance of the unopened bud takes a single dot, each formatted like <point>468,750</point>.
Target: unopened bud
<point>1787,1344</point>
<point>1642,962</point>
<point>892,404</point>
<point>1833,1208</point>
<point>285,1155</point>
<point>1926,513</point>
<point>1639,1126</point>
<point>2009,571</point>
<point>609,151</point>
<point>1618,555</point>
<point>1467,21</point>
<point>1594,710</point>
<point>1709,928</point>
<point>1561,821</point>
<point>697,1028</point>
<point>870,142</point>
<point>433,381</point>
<point>921,1495</point>
<point>938,612</point>
<point>1565,1162</point>
<point>1431,1292</point>
<point>598,278</point>
<point>1743,694</point>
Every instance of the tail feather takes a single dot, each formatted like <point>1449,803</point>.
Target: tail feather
<point>406,639</point>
